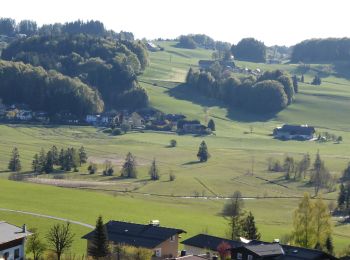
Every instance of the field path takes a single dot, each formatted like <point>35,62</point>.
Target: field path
<point>48,216</point>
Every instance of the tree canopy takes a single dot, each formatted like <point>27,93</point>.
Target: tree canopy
<point>46,90</point>
<point>322,50</point>
<point>270,93</point>
<point>249,49</point>
<point>103,63</point>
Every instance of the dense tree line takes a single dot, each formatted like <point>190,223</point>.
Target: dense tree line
<point>344,192</point>
<point>46,90</point>
<point>271,92</point>
<point>10,27</point>
<point>322,50</point>
<point>193,41</point>
<point>107,65</point>
<point>66,159</point>
<point>249,49</point>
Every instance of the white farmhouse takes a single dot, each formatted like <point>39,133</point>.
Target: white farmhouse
<point>12,239</point>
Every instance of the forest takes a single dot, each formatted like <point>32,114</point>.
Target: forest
<point>322,50</point>
<point>268,93</point>
<point>86,53</point>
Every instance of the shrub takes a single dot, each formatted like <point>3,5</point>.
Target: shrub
<point>116,131</point>
<point>92,168</point>
<point>172,176</point>
<point>173,143</point>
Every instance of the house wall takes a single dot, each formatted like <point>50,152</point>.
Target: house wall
<point>169,248</point>
<point>10,249</point>
<point>192,250</point>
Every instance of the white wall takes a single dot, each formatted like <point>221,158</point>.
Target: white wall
<point>11,252</point>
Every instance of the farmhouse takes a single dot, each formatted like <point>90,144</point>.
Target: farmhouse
<point>296,132</point>
<point>12,239</point>
<point>163,241</point>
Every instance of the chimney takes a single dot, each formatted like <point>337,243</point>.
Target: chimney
<point>24,228</point>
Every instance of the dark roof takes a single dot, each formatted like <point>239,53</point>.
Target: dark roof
<point>265,249</point>
<point>209,242</point>
<point>294,252</point>
<point>297,129</point>
<point>148,236</point>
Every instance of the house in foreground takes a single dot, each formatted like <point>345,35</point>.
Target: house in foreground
<point>294,132</point>
<point>12,240</point>
<point>162,241</point>
<point>206,244</point>
<point>278,252</point>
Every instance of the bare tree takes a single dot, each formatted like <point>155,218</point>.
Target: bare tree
<point>60,238</point>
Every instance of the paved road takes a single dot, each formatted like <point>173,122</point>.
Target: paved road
<point>48,216</point>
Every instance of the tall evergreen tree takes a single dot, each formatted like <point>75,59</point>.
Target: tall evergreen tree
<point>35,164</point>
<point>203,154</point>
<point>295,84</point>
<point>129,167</point>
<point>211,125</point>
<point>342,196</point>
<point>154,171</point>
<point>250,231</point>
<point>55,155</point>
<point>329,245</point>
<point>82,156</point>
<point>98,246</point>
<point>42,160</point>
<point>48,168</point>
<point>15,163</point>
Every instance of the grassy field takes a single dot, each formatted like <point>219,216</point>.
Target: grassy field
<point>233,154</point>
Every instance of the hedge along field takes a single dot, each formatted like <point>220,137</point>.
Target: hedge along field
<point>233,151</point>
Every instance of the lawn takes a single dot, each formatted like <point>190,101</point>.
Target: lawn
<point>238,158</point>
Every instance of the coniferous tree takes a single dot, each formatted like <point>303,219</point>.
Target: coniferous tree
<point>98,246</point>
<point>295,84</point>
<point>211,125</point>
<point>329,245</point>
<point>55,155</point>
<point>82,155</point>
<point>129,167</point>
<point>35,164</point>
<point>48,168</point>
<point>249,228</point>
<point>342,196</point>
<point>42,160</point>
<point>15,162</point>
<point>203,154</point>
<point>302,78</point>
<point>154,171</point>
<point>233,211</point>
<point>61,160</point>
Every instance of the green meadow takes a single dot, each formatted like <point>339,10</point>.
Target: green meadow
<point>238,158</point>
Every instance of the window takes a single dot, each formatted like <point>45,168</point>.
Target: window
<point>158,252</point>
<point>250,257</point>
<point>172,238</point>
<point>16,253</point>
<point>6,255</point>
<point>239,256</point>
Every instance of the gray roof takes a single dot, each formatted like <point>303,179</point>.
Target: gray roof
<point>10,232</point>
<point>266,249</point>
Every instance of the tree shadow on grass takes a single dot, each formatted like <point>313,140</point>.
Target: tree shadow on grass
<point>184,92</point>
<point>192,163</point>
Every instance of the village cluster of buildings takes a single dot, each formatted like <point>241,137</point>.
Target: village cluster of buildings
<point>230,66</point>
<point>164,242</point>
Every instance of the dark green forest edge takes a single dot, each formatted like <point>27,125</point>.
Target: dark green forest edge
<point>77,67</point>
